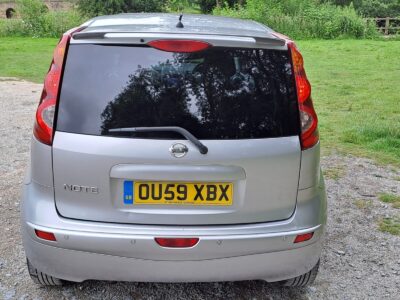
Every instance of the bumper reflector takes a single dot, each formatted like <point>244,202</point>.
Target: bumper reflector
<point>48,236</point>
<point>303,237</point>
<point>176,242</point>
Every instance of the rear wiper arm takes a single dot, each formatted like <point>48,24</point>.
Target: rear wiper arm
<point>202,148</point>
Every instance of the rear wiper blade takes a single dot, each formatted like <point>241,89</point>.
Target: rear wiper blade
<point>182,131</point>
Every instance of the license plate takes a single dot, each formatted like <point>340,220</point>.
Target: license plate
<point>144,192</point>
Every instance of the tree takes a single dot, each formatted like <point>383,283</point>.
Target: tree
<point>93,8</point>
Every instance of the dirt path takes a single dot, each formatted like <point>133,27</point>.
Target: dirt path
<point>358,261</point>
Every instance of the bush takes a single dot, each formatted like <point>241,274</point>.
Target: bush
<point>12,27</point>
<point>304,19</point>
<point>182,6</point>
<point>93,8</point>
<point>206,6</point>
<point>37,21</point>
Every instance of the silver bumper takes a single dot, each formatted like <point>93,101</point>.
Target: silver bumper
<point>78,266</point>
<point>100,251</point>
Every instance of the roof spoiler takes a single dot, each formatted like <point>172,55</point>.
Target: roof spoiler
<point>256,41</point>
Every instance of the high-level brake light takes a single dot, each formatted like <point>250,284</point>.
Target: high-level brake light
<point>184,46</point>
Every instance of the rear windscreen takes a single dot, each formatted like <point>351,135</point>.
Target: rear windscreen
<point>219,93</point>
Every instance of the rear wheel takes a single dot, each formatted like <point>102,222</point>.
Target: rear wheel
<point>43,278</point>
<point>302,280</point>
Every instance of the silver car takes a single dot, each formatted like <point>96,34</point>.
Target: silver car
<point>174,149</point>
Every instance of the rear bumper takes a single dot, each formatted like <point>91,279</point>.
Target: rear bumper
<point>78,266</point>
<point>120,252</point>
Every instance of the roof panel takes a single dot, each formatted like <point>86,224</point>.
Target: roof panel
<point>166,23</point>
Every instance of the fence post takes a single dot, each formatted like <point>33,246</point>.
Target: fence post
<point>387,25</point>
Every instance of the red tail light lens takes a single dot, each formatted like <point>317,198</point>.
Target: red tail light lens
<point>302,84</point>
<point>177,242</point>
<point>303,237</point>
<point>43,127</point>
<point>48,236</point>
<point>308,117</point>
<point>185,46</point>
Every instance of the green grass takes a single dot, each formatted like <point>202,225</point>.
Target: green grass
<point>356,88</point>
<point>356,94</point>
<point>390,225</point>
<point>26,58</point>
<point>390,198</point>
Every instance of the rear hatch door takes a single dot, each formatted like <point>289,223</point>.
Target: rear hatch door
<point>239,103</point>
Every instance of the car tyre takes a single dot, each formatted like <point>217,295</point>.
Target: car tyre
<point>43,278</point>
<point>302,280</point>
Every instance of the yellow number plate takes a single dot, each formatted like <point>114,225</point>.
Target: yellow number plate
<point>215,193</point>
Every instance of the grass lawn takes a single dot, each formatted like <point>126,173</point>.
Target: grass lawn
<point>356,89</point>
<point>356,92</point>
<point>27,58</point>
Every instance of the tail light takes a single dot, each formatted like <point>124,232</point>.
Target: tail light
<point>308,117</point>
<point>184,46</point>
<point>176,242</point>
<point>43,127</point>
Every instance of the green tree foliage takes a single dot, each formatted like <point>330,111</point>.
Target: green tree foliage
<point>379,8</point>
<point>372,8</point>
<point>92,8</point>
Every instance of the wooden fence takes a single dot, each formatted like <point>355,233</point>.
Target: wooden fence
<point>387,25</point>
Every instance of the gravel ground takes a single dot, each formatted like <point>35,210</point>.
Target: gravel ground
<point>358,261</point>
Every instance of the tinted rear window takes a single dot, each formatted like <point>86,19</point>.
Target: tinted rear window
<point>219,93</point>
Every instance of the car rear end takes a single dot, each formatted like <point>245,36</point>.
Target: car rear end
<point>117,191</point>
